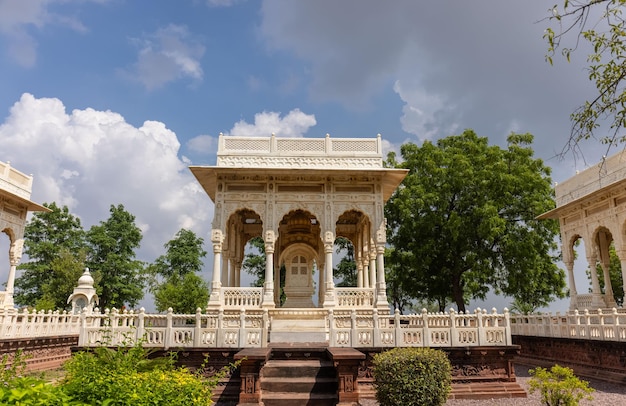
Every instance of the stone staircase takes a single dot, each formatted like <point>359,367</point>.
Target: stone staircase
<point>299,376</point>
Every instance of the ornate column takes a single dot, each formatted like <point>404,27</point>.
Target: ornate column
<point>329,292</point>
<point>381,284</point>
<point>568,260</point>
<point>15,256</point>
<point>268,286</point>
<point>372,254</point>
<point>621,254</point>
<point>596,295</point>
<point>216,284</point>
<point>603,250</point>
<point>226,269</point>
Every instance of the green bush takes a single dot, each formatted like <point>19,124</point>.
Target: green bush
<point>412,377</point>
<point>18,389</point>
<point>559,386</point>
<point>128,377</point>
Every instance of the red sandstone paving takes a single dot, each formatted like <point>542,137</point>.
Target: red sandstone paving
<point>606,394</point>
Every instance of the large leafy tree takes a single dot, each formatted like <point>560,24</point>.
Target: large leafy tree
<point>112,246</point>
<point>601,24</point>
<point>46,236</point>
<point>180,287</point>
<point>463,222</point>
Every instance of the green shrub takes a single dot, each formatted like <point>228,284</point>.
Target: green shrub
<point>18,389</point>
<point>559,386</point>
<point>128,377</point>
<point>412,377</point>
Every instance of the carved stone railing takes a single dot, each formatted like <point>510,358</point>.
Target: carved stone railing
<point>247,298</point>
<point>253,328</point>
<point>256,152</point>
<point>235,329</point>
<point>25,324</point>
<point>15,181</point>
<point>360,329</point>
<point>355,297</point>
<point>596,325</point>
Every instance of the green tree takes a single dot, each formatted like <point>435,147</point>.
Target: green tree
<point>181,289</point>
<point>183,255</point>
<point>345,270</point>
<point>183,293</point>
<point>601,24</point>
<point>464,221</point>
<point>112,246</point>
<point>45,236</point>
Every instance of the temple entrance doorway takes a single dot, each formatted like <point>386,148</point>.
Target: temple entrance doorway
<point>299,263</point>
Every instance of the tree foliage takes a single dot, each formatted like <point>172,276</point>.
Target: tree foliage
<point>112,246</point>
<point>345,270</point>
<point>601,24</point>
<point>181,288</point>
<point>46,236</point>
<point>464,222</point>
<point>254,261</point>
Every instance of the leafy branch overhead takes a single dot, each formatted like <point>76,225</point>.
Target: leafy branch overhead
<point>599,24</point>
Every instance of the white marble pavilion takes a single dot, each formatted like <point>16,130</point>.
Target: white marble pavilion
<point>299,195</point>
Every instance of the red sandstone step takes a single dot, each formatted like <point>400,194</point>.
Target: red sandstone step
<point>299,384</point>
<point>294,399</point>
<point>484,390</point>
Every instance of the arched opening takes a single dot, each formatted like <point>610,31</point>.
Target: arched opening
<point>243,239</point>
<point>608,281</point>
<point>355,251</point>
<point>299,251</point>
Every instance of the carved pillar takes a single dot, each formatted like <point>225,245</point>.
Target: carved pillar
<point>359,273</point>
<point>621,254</point>
<point>603,250</point>
<point>366,272</point>
<point>227,279</point>
<point>329,292</point>
<point>15,256</point>
<point>268,286</point>
<point>596,295</point>
<point>216,284</point>
<point>381,284</point>
<point>568,260</point>
<point>372,266</point>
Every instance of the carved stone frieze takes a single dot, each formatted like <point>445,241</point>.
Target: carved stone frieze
<point>299,162</point>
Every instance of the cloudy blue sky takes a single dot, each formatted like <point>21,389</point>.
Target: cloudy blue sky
<point>109,101</point>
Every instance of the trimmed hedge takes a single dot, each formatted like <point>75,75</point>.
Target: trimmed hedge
<point>412,377</point>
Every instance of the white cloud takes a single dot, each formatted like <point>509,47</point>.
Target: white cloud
<point>18,17</point>
<point>420,112</point>
<point>203,143</point>
<point>169,54</point>
<point>294,124</point>
<point>90,159</point>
